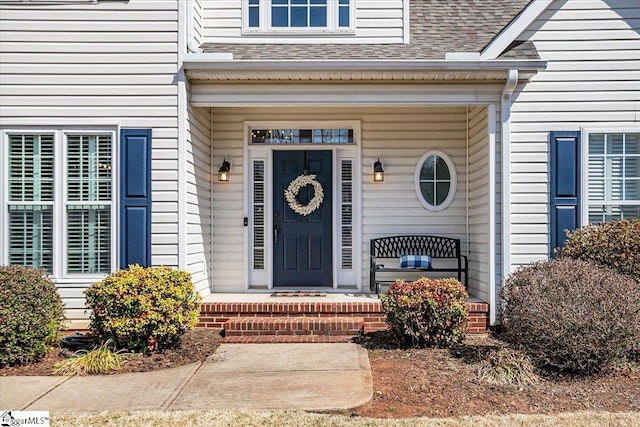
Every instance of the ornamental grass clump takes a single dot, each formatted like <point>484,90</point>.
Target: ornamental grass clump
<point>569,315</point>
<point>143,309</point>
<point>31,315</point>
<point>101,360</point>
<point>507,367</point>
<point>615,245</point>
<point>427,312</point>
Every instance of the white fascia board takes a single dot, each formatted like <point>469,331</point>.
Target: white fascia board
<point>462,56</point>
<point>194,61</point>
<point>514,29</point>
<point>208,56</point>
<point>47,2</point>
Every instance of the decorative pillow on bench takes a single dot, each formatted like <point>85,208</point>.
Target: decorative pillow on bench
<point>415,261</point>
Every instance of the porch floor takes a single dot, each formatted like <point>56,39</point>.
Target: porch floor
<point>335,317</point>
<point>328,297</point>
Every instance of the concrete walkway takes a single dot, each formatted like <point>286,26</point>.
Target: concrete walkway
<point>256,376</point>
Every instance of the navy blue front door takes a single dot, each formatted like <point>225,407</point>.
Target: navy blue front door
<point>302,255</point>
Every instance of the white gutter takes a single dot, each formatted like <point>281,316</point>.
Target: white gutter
<point>220,62</point>
<point>191,40</point>
<point>505,138</point>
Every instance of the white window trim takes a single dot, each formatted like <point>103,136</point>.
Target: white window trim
<point>341,278</point>
<point>584,180</point>
<point>265,28</point>
<point>453,173</point>
<point>59,200</point>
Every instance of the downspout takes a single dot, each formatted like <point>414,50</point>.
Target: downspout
<point>505,114</point>
<point>468,192</point>
<point>191,40</point>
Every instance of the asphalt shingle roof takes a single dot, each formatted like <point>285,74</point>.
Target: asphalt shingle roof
<point>437,27</point>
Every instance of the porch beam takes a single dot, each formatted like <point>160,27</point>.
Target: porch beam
<point>279,94</point>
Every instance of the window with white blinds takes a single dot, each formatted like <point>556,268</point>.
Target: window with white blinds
<point>88,204</point>
<point>614,176</point>
<point>31,200</point>
<point>59,201</point>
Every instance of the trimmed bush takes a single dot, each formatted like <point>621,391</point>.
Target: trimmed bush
<point>31,314</point>
<point>143,309</point>
<point>570,315</point>
<point>615,245</point>
<point>427,312</point>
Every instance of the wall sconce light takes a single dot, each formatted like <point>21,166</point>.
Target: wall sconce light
<point>224,171</point>
<point>378,171</point>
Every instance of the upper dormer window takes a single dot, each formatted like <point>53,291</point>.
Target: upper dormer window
<point>298,16</point>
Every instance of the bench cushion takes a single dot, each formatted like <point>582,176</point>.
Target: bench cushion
<point>415,261</point>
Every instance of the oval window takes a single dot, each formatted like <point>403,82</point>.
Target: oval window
<point>435,180</point>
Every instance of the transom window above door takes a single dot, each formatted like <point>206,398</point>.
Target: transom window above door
<point>302,136</point>
<point>298,16</point>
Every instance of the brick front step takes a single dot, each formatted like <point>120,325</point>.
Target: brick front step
<point>369,313</point>
<point>258,326</point>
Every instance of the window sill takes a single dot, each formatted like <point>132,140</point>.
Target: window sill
<point>294,32</point>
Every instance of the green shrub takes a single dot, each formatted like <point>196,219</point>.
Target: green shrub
<point>615,245</point>
<point>427,312</point>
<point>101,360</point>
<point>143,309</point>
<point>31,314</point>
<point>570,315</point>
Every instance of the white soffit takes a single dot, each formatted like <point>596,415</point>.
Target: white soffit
<point>199,69</point>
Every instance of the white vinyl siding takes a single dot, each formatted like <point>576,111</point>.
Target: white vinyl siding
<point>374,22</point>
<point>100,66</point>
<point>479,208</point>
<point>591,81</point>
<point>199,220</point>
<point>197,21</point>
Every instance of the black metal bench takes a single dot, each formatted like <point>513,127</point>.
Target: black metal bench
<point>435,246</point>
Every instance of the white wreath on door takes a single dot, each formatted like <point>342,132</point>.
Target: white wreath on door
<point>292,192</point>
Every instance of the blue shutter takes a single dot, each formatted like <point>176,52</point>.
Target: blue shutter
<point>565,185</point>
<point>135,197</point>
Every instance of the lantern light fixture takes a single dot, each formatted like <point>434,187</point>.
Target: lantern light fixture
<point>224,171</point>
<point>378,171</point>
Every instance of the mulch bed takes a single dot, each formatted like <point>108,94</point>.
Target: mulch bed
<point>444,383</point>
<point>196,345</point>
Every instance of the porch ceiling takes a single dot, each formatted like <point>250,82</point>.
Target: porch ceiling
<point>198,68</point>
